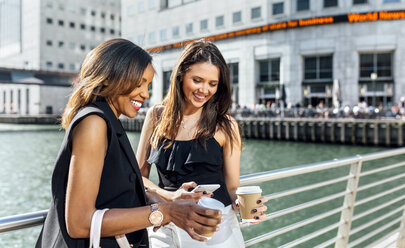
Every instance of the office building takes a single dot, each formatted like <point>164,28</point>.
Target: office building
<point>302,45</point>
<point>48,38</point>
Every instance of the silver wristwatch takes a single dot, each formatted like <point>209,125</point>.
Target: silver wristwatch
<point>155,217</point>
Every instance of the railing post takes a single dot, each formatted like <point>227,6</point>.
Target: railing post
<point>401,237</point>
<point>348,203</point>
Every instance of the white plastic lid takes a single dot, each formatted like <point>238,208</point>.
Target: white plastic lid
<point>248,190</point>
<point>211,203</point>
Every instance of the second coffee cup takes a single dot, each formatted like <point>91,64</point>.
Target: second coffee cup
<point>247,198</point>
<point>213,204</point>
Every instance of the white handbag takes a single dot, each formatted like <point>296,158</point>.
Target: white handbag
<point>95,231</point>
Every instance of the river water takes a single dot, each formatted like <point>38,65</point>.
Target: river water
<point>28,152</point>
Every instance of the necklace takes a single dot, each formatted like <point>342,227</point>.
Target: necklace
<point>189,123</point>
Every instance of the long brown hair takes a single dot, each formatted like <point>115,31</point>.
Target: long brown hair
<point>113,68</point>
<point>215,112</point>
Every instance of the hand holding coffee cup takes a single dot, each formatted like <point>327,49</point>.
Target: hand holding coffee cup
<point>250,202</point>
<point>212,204</point>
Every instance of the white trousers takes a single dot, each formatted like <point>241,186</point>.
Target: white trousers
<point>171,236</point>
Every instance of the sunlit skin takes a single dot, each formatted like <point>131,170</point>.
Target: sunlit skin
<point>200,83</point>
<point>130,104</point>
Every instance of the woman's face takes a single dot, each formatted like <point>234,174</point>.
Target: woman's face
<point>200,83</point>
<point>130,104</point>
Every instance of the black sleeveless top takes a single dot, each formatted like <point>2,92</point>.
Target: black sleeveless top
<point>121,183</point>
<point>189,160</point>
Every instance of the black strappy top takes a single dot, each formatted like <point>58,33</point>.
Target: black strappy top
<point>189,160</point>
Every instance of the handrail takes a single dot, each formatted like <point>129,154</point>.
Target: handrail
<point>15,222</point>
<point>355,163</point>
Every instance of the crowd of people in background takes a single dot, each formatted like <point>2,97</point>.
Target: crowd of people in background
<point>362,110</point>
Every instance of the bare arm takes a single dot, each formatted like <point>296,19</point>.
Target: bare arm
<point>88,152</point>
<point>144,145</point>
<point>231,155</point>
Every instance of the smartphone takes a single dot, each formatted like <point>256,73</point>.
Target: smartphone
<point>209,188</point>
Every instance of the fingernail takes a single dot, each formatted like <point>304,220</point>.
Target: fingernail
<point>256,217</point>
<point>190,189</point>
<point>259,201</point>
<point>254,210</point>
<point>205,192</point>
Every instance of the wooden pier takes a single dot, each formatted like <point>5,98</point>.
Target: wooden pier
<point>340,131</point>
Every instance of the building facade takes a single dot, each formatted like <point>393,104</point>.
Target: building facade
<point>54,35</point>
<point>28,92</point>
<point>302,51</point>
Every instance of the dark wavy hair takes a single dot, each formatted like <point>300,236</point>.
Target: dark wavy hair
<point>215,112</point>
<point>113,68</point>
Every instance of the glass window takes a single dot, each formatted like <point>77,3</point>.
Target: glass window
<point>236,17</point>
<point>269,70</point>
<point>140,39</point>
<point>151,4</point>
<point>176,31</point>
<point>93,13</point>
<point>61,23</point>
<point>163,35</point>
<point>72,67</point>
<point>93,28</point>
<point>302,5</point>
<point>112,17</point>
<point>49,43</point>
<point>189,28</point>
<point>234,72</point>
<point>152,38</point>
<point>112,31</point>
<point>82,47</point>
<point>380,63</point>
<point>359,1</point>
<point>318,68</point>
<point>49,20</point>
<point>82,26</point>
<point>141,7</point>
<point>219,21</point>
<point>166,81</point>
<point>392,1</point>
<point>72,45</point>
<point>256,12</point>
<point>61,43</point>
<point>330,3</point>
<point>203,25</point>
<point>278,8</point>
<point>82,11</point>
<point>102,30</point>
<point>72,24</point>
<point>102,14</point>
<point>49,64</point>
<point>61,66</point>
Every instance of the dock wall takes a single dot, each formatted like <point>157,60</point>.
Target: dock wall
<point>339,131</point>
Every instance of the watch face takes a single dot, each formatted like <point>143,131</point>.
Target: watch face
<point>156,217</point>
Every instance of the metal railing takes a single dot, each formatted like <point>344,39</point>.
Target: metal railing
<point>390,211</point>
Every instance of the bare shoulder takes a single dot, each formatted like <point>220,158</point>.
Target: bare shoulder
<point>155,112</point>
<point>91,126</point>
<point>221,135</point>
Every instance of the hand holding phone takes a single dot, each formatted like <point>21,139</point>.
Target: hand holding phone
<point>209,188</point>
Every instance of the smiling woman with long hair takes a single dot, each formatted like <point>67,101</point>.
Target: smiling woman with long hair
<point>96,167</point>
<point>193,140</point>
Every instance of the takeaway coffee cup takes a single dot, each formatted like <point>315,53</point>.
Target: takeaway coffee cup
<point>247,198</point>
<point>208,202</point>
